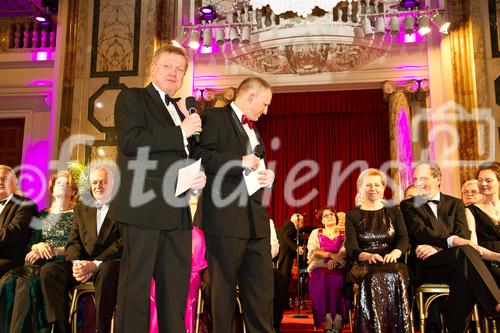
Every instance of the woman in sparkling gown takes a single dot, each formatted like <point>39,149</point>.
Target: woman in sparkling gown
<point>483,217</point>
<point>50,233</point>
<point>326,257</point>
<point>198,263</point>
<point>376,238</point>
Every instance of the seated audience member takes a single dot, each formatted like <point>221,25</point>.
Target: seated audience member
<point>50,233</point>
<point>410,192</point>
<point>326,257</point>
<point>198,263</point>
<point>483,217</point>
<point>441,249</point>
<point>470,192</point>
<point>376,238</point>
<point>341,222</point>
<point>16,213</point>
<point>92,253</point>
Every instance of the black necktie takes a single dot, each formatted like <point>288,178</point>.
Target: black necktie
<point>3,202</point>
<point>433,201</point>
<point>169,99</point>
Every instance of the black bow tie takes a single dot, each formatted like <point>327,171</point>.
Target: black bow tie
<point>433,201</point>
<point>100,204</point>
<point>3,202</point>
<point>169,99</point>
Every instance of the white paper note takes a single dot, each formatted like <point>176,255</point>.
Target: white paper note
<point>252,179</point>
<point>185,177</point>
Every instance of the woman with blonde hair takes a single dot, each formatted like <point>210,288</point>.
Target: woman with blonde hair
<point>376,238</point>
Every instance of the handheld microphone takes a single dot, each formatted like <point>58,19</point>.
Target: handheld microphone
<point>191,107</point>
<point>257,151</point>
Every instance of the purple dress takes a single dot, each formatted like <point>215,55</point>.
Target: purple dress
<point>325,285</point>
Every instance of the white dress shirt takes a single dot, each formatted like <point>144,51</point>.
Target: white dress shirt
<point>175,116</point>
<point>5,204</point>
<point>250,132</point>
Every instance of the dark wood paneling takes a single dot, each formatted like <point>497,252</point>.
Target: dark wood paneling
<point>11,141</point>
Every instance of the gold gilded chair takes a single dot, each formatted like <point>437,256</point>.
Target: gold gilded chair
<point>428,293</point>
<point>79,291</point>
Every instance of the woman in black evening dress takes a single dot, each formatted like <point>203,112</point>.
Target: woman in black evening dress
<point>483,217</point>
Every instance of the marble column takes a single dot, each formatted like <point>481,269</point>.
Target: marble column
<point>405,99</point>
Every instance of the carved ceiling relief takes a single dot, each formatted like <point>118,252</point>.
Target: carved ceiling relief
<point>308,58</point>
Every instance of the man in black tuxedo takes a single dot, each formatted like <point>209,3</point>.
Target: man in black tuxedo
<point>287,236</point>
<point>16,213</point>
<point>236,225</point>
<point>288,249</point>
<point>155,224</point>
<point>92,253</point>
<point>441,249</point>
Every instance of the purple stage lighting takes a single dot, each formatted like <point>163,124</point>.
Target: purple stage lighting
<point>208,13</point>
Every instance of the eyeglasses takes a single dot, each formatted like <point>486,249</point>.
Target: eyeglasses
<point>470,192</point>
<point>329,215</point>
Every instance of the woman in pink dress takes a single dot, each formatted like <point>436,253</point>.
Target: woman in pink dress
<point>326,257</point>
<point>198,263</point>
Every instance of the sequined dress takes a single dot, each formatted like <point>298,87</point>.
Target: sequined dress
<point>53,229</point>
<point>383,299</point>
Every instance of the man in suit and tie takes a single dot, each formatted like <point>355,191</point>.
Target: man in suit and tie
<point>155,224</point>
<point>92,253</point>
<point>442,251</point>
<point>236,224</point>
<point>16,213</point>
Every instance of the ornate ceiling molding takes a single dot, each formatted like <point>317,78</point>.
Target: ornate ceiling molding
<point>302,8</point>
<point>307,58</point>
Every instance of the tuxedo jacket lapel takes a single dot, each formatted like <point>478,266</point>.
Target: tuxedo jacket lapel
<point>5,210</point>
<point>161,110</point>
<point>240,131</point>
<point>91,226</point>
<point>106,228</point>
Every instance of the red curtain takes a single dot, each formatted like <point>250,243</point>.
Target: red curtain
<point>322,129</point>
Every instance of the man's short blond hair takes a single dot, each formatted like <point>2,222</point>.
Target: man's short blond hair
<point>252,83</point>
<point>170,49</point>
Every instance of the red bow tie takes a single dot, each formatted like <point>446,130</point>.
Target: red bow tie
<point>245,120</point>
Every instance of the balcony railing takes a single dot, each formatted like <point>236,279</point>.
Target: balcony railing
<point>24,33</point>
